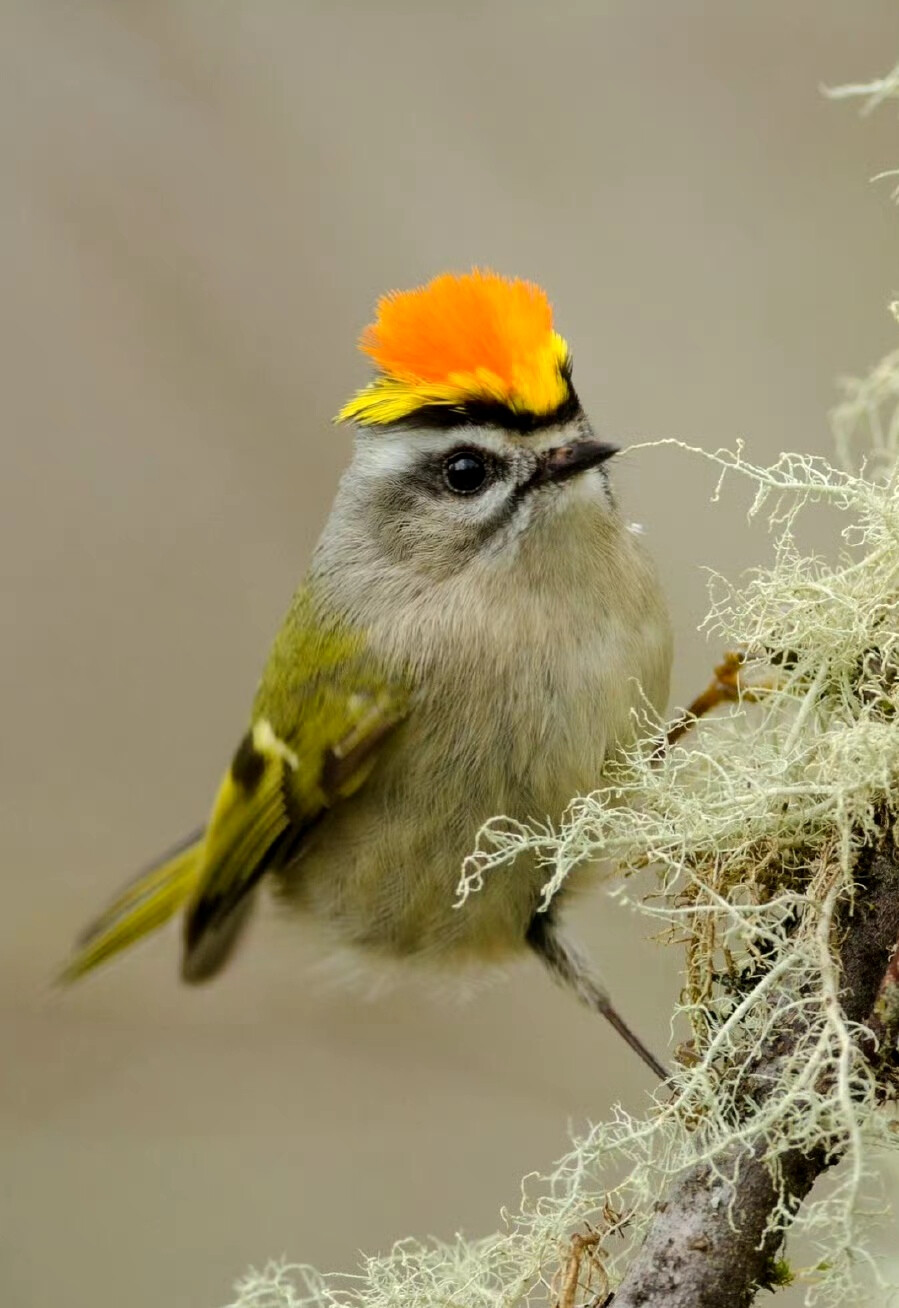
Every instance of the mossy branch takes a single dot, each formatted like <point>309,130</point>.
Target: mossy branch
<point>711,1243</point>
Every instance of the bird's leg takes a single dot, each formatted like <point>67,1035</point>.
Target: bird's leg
<point>570,967</point>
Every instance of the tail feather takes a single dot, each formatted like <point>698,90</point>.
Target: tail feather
<point>144,905</point>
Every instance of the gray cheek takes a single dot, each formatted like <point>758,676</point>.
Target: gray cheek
<point>414,528</point>
<point>393,512</point>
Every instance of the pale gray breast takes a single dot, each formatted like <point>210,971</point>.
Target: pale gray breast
<point>525,681</point>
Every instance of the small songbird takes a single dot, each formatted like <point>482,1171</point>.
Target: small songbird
<point>477,625</point>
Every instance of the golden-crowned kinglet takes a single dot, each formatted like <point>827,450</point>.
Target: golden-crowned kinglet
<point>477,624</point>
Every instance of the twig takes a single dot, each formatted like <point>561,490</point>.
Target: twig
<point>580,1247</point>
<point>727,685</point>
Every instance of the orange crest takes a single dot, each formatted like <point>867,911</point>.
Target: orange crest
<point>472,337</point>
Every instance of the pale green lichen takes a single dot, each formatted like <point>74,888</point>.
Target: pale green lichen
<point>872,94</point>
<point>752,822</point>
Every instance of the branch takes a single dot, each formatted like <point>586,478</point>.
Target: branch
<point>709,1246</point>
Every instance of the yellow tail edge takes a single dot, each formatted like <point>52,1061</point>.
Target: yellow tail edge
<point>144,905</point>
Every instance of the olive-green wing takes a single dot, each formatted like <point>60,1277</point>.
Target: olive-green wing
<point>323,710</point>
<point>272,794</point>
<point>268,799</point>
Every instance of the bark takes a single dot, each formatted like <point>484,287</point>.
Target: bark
<point>705,1248</point>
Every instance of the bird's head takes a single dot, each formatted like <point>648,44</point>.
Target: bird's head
<point>471,438</point>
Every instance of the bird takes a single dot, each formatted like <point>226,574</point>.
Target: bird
<point>477,634</point>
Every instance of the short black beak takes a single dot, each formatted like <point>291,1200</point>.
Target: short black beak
<point>568,460</point>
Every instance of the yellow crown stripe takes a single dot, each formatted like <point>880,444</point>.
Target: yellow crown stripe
<point>537,385</point>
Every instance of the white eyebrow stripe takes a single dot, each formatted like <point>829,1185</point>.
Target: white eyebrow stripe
<point>397,451</point>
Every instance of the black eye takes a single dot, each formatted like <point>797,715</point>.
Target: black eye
<point>465,472</point>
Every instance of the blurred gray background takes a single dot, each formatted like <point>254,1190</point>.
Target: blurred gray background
<point>199,205</point>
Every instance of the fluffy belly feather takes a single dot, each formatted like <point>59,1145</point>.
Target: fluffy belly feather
<point>515,722</point>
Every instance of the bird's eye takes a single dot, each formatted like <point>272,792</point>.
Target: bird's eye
<point>465,472</point>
